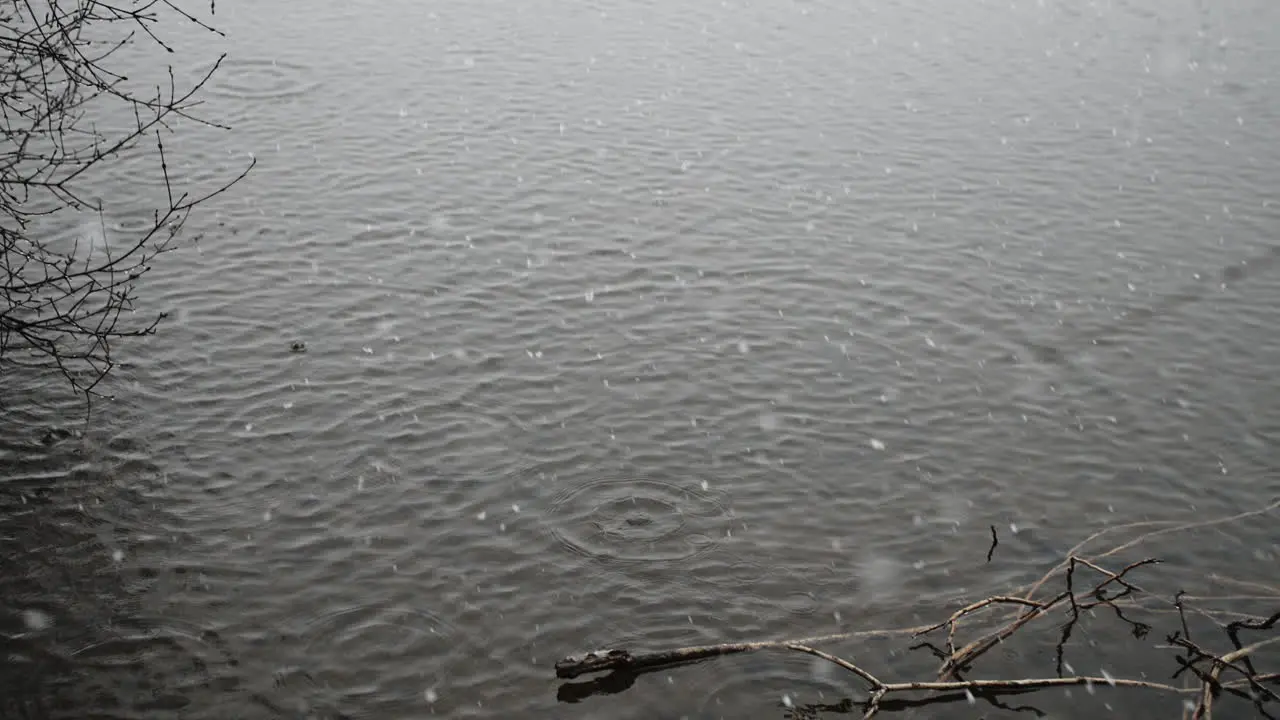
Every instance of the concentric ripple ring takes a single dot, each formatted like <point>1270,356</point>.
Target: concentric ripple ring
<point>632,520</point>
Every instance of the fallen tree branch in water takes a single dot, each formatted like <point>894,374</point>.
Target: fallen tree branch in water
<point>1233,673</point>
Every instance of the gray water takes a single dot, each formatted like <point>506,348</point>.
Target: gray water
<point>650,324</point>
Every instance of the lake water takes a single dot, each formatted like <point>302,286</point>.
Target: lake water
<point>648,324</point>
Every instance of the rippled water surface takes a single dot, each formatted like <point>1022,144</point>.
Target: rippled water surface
<point>651,324</point>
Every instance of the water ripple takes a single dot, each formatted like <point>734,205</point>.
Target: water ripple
<point>774,681</point>
<point>256,79</point>
<point>618,521</point>
<point>371,678</point>
<point>151,664</point>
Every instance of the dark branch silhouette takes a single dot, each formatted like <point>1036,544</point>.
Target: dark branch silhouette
<point>62,309</point>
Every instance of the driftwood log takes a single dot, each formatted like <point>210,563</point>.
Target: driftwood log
<point>619,659</point>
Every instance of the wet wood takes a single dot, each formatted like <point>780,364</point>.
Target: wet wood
<point>621,659</point>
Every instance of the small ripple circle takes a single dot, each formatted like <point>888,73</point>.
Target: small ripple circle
<point>638,520</point>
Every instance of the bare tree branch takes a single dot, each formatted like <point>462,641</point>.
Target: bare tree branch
<point>59,90</point>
